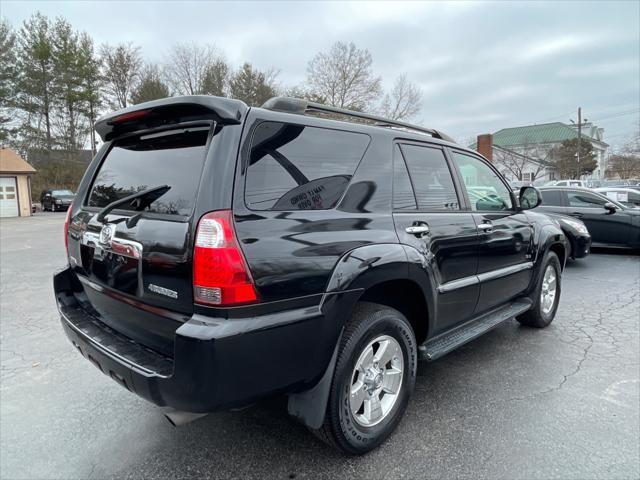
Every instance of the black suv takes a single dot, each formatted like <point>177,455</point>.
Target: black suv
<point>219,254</point>
<point>56,199</point>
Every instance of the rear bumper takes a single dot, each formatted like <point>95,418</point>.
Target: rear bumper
<point>217,363</point>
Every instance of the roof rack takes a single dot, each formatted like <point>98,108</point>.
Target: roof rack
<point>302,107</point>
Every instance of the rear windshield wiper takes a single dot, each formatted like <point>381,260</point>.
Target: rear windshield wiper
<point>150,195</point>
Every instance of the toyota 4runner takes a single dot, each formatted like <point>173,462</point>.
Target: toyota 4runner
<point>218,254</point>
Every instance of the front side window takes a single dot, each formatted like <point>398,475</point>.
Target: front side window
<point>485,189</point>
<point>431,178</point>
<point>297,167</point>
<point>585,200</point>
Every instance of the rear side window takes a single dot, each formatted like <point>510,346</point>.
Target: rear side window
<point>585,199</point>
<point>431,178</point>
<point>172,158</point>
<point>403,197</point>
<point>296,167</point>
<point>551,197</point>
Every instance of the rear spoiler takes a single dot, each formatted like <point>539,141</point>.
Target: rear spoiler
<point>167,111</point>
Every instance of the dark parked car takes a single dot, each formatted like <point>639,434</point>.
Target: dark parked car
<point>578,237</point>
<point>627,196</point>
<point>55,200</point>
<point>610,223</point>
<point>221,253</point>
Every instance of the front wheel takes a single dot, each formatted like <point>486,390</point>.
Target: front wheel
<point>546,295</point>
<point>373,379</point>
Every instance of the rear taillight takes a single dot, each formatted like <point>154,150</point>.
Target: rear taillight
<point>220,274</point>
<point>66,228</point>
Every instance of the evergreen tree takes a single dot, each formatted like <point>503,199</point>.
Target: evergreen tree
<point>565,158</point>
<point>151,86</point>
<point>121,70</point>
<point>68,90</point>
<point>215,79</point>
<point>36,81</point>
<point>252,86</point>
<point>91,85</point>
<point>8,74</point>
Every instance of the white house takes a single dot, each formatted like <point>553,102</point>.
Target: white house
<point>522,153</point>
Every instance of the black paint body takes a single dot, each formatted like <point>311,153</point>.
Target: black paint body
<point>578,240</point>
<point>54,201</point>
<point>310,267</point>
<point>618,227</point>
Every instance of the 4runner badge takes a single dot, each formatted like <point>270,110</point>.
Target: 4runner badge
<point>163,291</point>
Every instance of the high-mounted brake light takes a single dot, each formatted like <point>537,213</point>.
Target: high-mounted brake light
<point>66,228</point>
<point>128,117</point>
<point>220,274</point>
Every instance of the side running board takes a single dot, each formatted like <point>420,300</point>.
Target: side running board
<point>444,343</point>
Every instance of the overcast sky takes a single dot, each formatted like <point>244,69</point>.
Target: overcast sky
<point>481,66</point>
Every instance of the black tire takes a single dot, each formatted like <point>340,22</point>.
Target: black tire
<point>536,317</point>
<point>368,322</point>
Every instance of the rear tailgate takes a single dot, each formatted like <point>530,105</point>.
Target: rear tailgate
<point>133,261</point>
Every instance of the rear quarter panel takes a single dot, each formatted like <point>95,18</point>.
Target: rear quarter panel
<point>293,253</point>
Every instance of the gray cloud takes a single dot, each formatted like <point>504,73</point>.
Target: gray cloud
<point>482,66</point>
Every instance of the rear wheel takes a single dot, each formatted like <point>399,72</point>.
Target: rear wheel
<point>546,295</point>
<point>373,379</point>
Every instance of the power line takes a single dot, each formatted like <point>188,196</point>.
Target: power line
<point>618,114</point>
<point>557,117</point>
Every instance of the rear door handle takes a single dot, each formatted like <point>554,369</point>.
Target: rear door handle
<point>417,230</point>
<point>486,227</point>
<point>576,214</point>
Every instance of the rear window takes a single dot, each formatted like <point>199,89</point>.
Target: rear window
<point>171,158</point>
<point>296,167</point>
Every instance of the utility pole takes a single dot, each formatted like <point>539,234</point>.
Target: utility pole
<point>579,138</point>
<point>579,125</point>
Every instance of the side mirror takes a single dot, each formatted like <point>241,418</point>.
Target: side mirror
<point>610,207</point>
<point>530,197</point>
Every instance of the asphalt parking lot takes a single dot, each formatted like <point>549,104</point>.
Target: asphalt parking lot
<point>563,402</point>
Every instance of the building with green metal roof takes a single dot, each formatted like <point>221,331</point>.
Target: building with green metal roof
<point>535,142</point>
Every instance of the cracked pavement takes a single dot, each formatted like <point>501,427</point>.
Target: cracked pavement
<point>563,402</point>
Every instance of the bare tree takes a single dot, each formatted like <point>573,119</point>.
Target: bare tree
<point>121,71</point>
<point>343,77</point>
<point>194,69</point>
<point>624,166</point>
<point>404,101</point>
<point>632,146</point>
<point>517,162</point>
